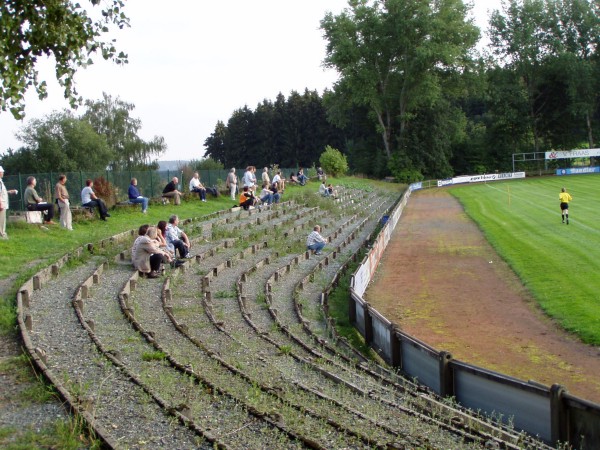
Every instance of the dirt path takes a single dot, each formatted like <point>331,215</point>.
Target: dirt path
<point>443,283</point>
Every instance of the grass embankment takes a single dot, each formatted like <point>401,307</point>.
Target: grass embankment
<point>558,263</point>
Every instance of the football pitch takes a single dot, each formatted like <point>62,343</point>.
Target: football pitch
<point>558,263</point>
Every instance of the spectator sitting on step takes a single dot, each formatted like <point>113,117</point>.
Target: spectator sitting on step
<point>323,190</point>
<point>267,195</point>
<point>161,232</point>
<point>315,241</point>
<point>247,198</point>
<point>279,181</point>
<point>141,233</point>
<point>177,239</point>
<point>90,200</point>
<point>34,202</point>
<point>197,187</point>
<point>302,179</point>
<point>275,192</point>
<point>170,191</point>
<point>148,257</point>
<point>134,195</point>
<point>332,192</point>
<point>293,178</point>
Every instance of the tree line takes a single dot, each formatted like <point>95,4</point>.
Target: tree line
<point>105,136</point>
<point>417,99</point>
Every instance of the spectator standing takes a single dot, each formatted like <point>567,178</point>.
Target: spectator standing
<point>177,239</point>
<point>134,195</point>
<point>231,183</point>
<point>277,179</point>
<point>265,176</point>
<point>315,241</point>
<point>33,202</point>
<point>4,204</point>
<point>321,174</point>
<point>170,191</point>
<point>248,180</point>
<point>91,200</point>
<point>62,198</point>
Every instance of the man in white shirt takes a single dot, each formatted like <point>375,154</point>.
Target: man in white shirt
<point>197,187</point>
<point>177,239</point>
<point>280,182</point>
<point>90,200</point>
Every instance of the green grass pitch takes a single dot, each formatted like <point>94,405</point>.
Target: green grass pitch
<point>558,263</point>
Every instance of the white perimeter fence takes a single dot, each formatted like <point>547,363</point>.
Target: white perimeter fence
<point>548,412</point>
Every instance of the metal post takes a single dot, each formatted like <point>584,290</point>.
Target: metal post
<point>446,375</point>
<point>395,347</point>
<point>559,428</point>
<point>368,324</point>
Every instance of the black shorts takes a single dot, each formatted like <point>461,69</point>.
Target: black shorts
<point>564,206</point>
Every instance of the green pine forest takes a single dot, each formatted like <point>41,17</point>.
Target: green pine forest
<point>423,93</point>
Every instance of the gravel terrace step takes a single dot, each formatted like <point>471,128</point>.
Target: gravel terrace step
<point>227,422</point>
<point>146,302</point>
<point>119,406</point>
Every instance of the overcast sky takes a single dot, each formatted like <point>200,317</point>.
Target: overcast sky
<point>192,63</point>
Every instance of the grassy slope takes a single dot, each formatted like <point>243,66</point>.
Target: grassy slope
<point>558,263</point>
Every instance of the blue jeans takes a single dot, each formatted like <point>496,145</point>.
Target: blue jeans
<point>200,192</point>
<point>317,246</point>
<point>142,200</point>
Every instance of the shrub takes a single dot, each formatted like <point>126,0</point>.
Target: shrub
<point>106,191</point>
<point>333,162</point>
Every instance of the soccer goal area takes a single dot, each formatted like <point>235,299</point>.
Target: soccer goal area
<point>560,162</point>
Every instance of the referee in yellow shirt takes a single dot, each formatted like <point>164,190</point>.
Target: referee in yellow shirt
<point>564,198</point>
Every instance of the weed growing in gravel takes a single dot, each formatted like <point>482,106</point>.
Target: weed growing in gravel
<point>285,349</point>
<point>153,356</point>
<point>224,294</point>
<point>261,300</point>
<point>38,391</point>
<point>70,433</point>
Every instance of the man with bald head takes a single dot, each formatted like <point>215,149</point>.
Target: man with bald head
<point>170,191</point>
